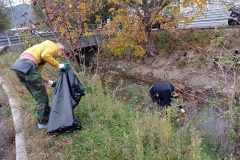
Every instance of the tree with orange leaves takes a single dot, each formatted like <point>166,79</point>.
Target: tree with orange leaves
<point>136,17</point>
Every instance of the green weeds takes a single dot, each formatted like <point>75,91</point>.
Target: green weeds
<point>167,42</point>
<point>164,42</point>
<point>111,129</point>
<point>182,62</point>
<point>30,39</point>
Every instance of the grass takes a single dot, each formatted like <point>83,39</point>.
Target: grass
<point>182,62</point>
<point>112,129</point>
<point>167,43</point>
<point>3,99</point>
<point>7,128</point>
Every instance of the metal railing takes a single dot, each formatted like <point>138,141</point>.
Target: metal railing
<point>9,40</point>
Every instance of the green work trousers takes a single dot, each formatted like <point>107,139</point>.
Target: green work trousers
<point>35,85</point>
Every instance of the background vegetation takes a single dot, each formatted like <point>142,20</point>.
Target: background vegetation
<point>129,127</point>
<point>5,22</point>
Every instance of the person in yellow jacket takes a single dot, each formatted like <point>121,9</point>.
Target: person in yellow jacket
<point>28,68</point>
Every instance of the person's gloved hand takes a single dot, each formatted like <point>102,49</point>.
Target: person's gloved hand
<point>52,83</point>
<point>64,66</point>
<point>182,111</point>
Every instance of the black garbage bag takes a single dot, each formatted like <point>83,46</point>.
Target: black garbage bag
<point>67,95</point>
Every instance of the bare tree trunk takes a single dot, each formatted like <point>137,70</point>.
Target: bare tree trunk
<point>150,48</point>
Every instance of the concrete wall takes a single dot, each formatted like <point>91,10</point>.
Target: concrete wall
<point>93,40</point>
<point>13,48</point>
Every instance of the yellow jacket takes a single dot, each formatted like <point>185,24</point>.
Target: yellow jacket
<point>44,52</point>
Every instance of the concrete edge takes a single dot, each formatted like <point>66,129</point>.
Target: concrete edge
<point>3,48</point>
<point>12,48</point>
<point>21,153</point>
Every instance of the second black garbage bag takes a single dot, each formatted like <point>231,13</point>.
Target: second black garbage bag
<point>67,95</point>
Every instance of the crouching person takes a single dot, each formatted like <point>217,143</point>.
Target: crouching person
<point>162,94</point>
<point>28,68</point>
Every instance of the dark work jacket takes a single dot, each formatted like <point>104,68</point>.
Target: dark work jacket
<point>162,93</point>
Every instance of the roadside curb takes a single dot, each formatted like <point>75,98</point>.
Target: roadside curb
<point>21,153</point>
<point>3,49</point>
